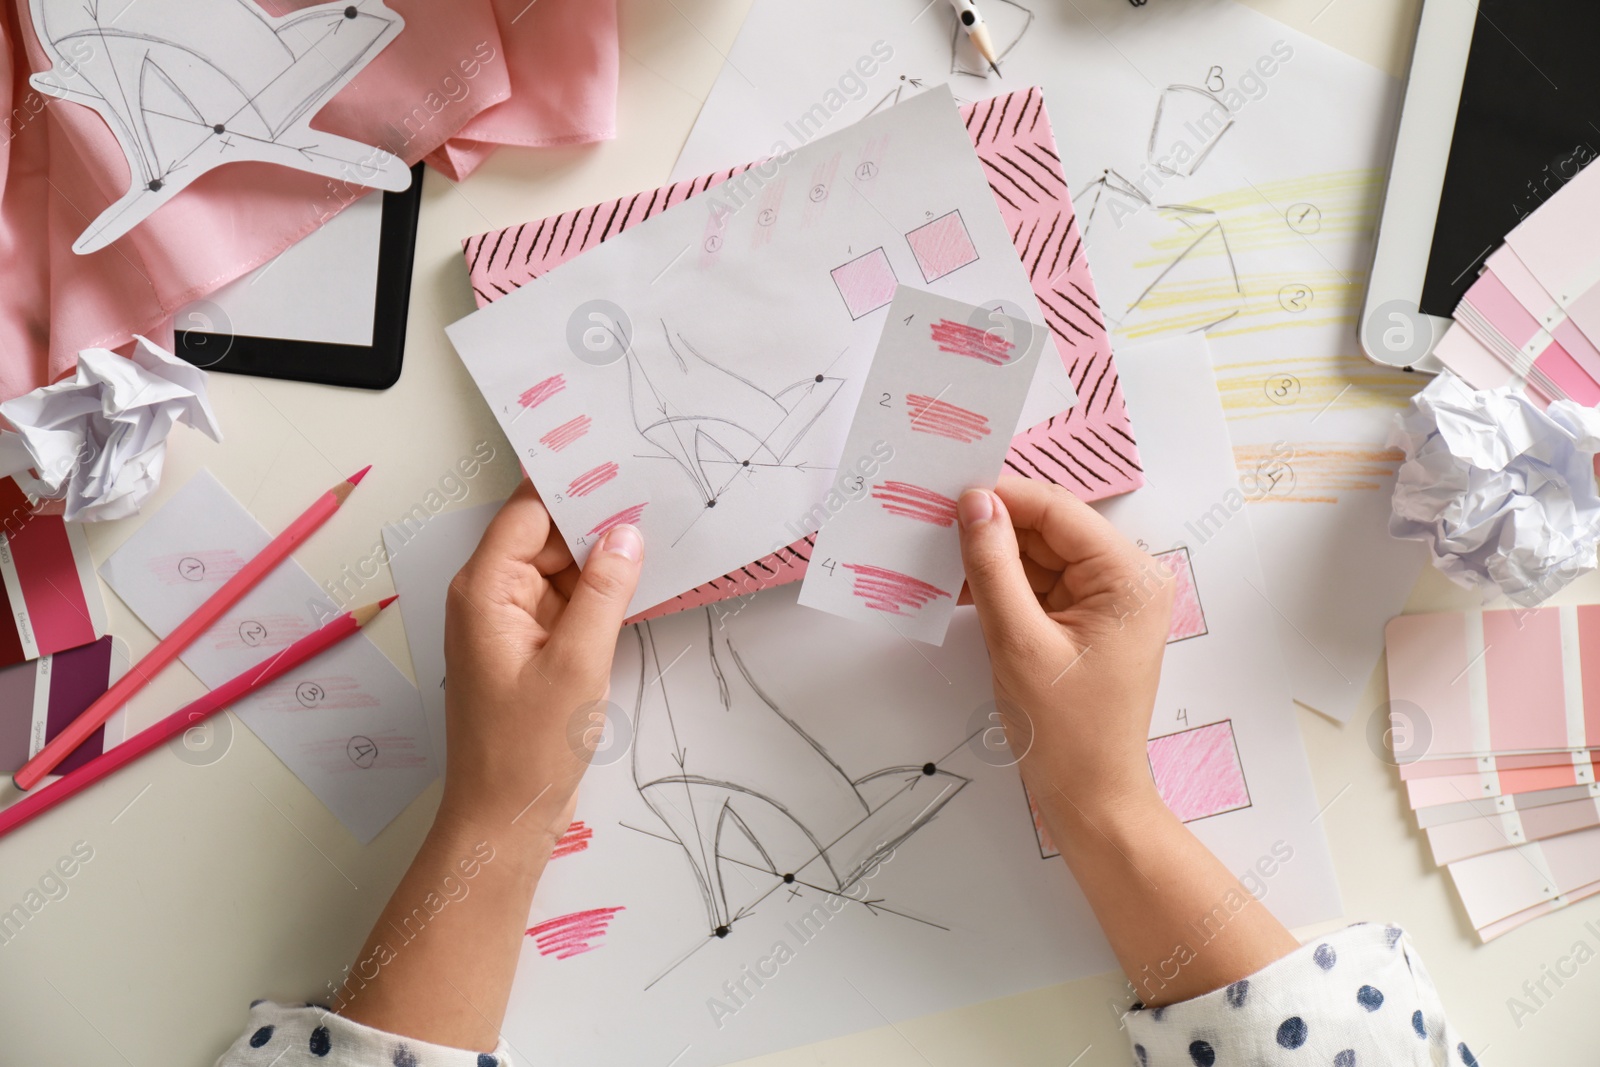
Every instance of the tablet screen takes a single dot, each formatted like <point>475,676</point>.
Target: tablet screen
<point>1529,120</point>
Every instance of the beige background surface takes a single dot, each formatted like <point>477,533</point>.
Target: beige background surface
<point>212,886</point>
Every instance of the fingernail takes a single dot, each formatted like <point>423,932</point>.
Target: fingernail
<point>625,541</point>
<point>975,508</point>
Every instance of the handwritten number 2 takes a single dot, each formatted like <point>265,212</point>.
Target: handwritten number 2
<point>883,401</point>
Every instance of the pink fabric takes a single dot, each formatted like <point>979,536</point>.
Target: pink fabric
<point>464,76</point>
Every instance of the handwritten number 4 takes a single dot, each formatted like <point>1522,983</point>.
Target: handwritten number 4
<point>829,565</point>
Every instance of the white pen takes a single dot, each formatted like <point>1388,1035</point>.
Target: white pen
<point>971,21</point>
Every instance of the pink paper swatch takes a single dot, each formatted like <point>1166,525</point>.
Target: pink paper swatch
<point>942,246</point>
<point>1198,773</point>
<point>867,282</point>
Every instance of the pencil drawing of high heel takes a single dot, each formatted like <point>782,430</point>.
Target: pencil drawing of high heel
<point>189,85</point>
<point>714,422</point>
<point>753,799</point>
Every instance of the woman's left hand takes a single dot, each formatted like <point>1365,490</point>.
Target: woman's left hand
<point>528,642</point>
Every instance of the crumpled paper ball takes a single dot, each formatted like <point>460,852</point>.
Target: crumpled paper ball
<point>1502,493</point>
<point>96,443</point>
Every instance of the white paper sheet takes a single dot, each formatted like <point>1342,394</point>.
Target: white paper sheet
<point>216,84</point>
<point>423,562</point>
<point>322,288</point>
<point>967,908</point>
<point>1251,223</point>
<point>348,724</point>
<point>946,376</point>
<point>749,316</point>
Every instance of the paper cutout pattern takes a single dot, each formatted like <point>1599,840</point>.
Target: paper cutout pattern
<point>190,85</point>
<point>1090,449</point>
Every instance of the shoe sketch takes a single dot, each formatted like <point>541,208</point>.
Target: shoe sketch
<point>748,794</point>
<point>189,85</point>
<point>1177,256</point>
<point>715,423</point>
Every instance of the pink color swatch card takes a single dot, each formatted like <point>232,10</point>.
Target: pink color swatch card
<point>1462,810</point>
<point>1501,883</point>
<point>1560,244</point>
<point>49,598</point>
<point>1474,837</point>
<point>945,376</point>
<point>1453,788</point>
<point>1496,682</point>
<point>1088,447</point>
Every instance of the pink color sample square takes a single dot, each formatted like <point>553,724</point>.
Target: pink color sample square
<point>1427,654</point>
<point>1198,773</point>
<point>1188,618</point>
<point>867,282</point>
<point>942,246</point>
<point>1527,699</point>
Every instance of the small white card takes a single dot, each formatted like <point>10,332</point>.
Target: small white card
<point>946,387</point>
<point>347,723</point>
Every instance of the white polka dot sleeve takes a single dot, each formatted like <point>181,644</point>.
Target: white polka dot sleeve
<point>306,1035</point>
<point>1360,998</point>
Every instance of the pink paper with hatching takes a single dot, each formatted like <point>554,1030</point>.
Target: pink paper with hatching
<point>1090,449</point>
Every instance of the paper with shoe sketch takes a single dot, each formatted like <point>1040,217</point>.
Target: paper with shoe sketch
<point>422,562</point>
<point>946,373</point>
<point>1228,171</point>
<point>1088,447</point>
<point>217,84</point>
<point>348,724</point>
<point>695,375</point>
<point>748,738</point>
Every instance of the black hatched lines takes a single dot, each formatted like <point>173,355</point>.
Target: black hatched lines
<point>1072,451</point>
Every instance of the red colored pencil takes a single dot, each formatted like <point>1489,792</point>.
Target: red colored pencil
<point>264,563</point>
<point>230,692</point>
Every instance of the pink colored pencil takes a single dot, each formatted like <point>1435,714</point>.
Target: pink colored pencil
<point>264,563</point>
<point>230,692</point>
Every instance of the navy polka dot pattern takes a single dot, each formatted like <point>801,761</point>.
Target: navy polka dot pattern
<point>1323,1005</point>
<point>321,1042</point>
<point>1292,1032</point>
<point>310,1035</point>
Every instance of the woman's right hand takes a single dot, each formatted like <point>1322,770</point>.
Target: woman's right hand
<point>1076,620</point>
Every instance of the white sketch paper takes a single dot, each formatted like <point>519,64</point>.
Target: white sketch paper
<point>946,376</point>
<point>190,85</point>
<point>747,745</point>
<point>1226,171</point>
<point>347,723</point>
<point>423,562</point>
<point>695,374</point>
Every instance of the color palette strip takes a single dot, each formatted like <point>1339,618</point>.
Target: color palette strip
<point>49,596</point>
<point>40,697</point>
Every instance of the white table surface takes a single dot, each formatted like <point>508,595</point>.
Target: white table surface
<point>213,886</point>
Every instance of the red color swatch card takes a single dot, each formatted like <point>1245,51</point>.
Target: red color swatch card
<point>49,594</point>
<point>1090,449</point>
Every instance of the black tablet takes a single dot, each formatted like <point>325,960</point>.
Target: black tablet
<point>1502,107</point>
<point>331,309</point>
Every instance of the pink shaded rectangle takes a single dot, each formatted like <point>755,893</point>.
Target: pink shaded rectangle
<point>1198,773</point>
<point>1089,449</point>
<point>942,246</point>
<point>1188,617</point>
<point>1433,768</point>
<point>47,570</point>
<point>866,283</point>
<point>1589,664</point>
<point>1527,699</point>
<point>1427,660</point>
